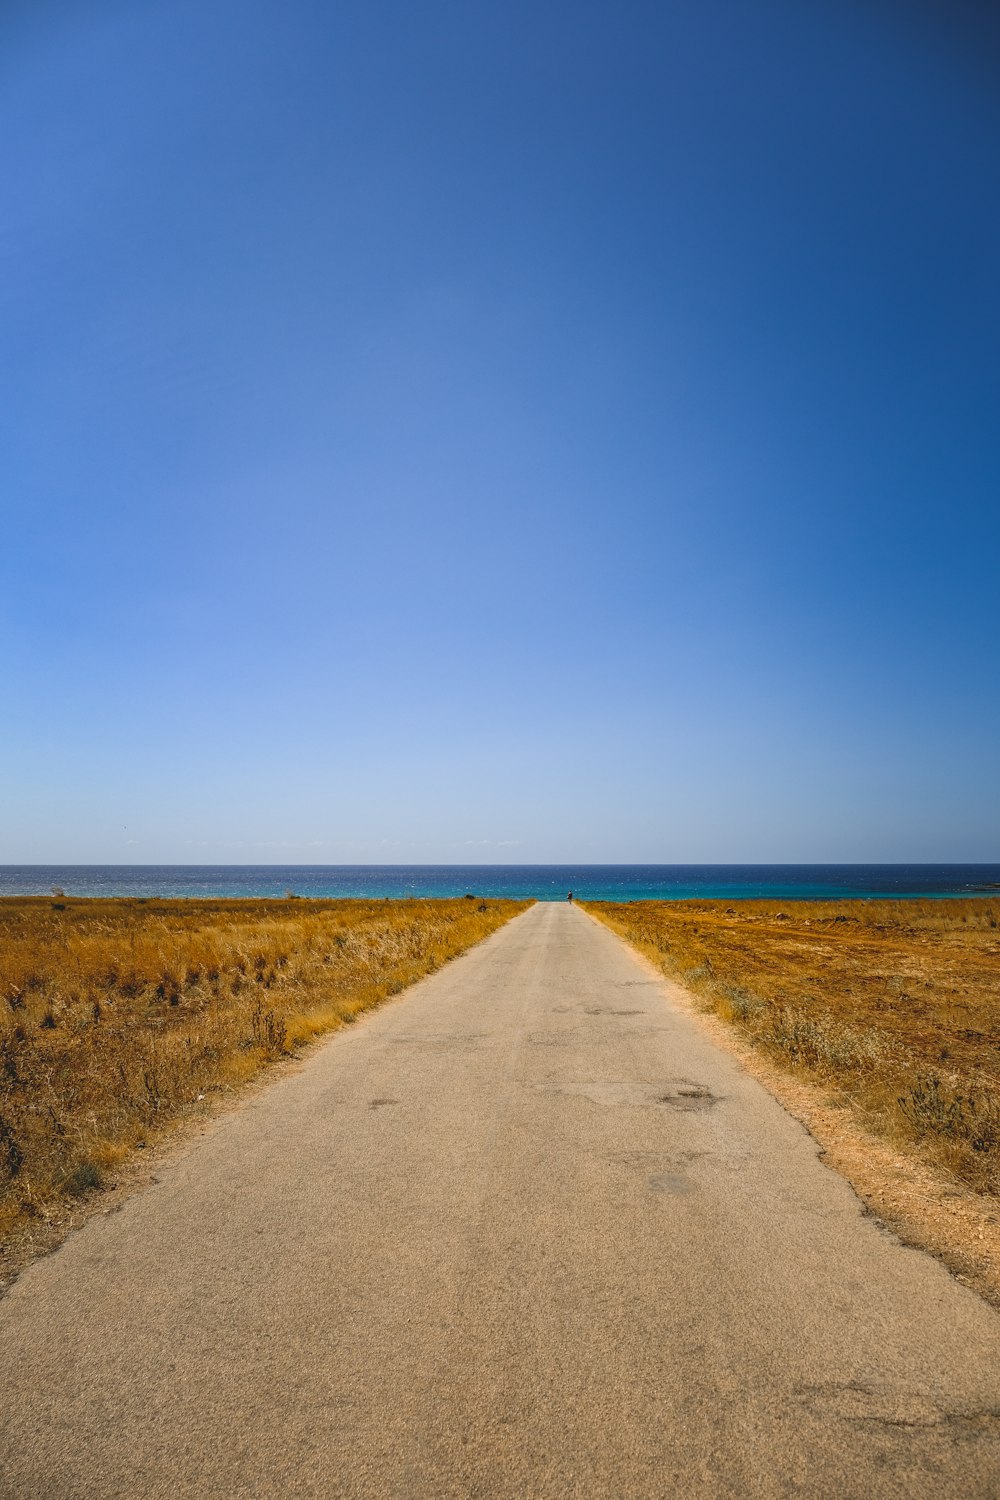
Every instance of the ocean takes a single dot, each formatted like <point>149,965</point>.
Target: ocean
<point>542,882</point>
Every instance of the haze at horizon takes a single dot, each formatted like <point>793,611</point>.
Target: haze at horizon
<point>536,433</point>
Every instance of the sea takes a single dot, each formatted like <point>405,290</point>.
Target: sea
<point>541,882</point>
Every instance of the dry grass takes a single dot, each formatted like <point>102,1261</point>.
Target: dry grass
<point>116,1015</point>
<point>894,1004</point>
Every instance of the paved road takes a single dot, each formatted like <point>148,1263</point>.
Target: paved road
<point>524,1232</point>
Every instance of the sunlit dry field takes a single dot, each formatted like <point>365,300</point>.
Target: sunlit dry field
<point>116,1016</point>
<point>895,1005</point>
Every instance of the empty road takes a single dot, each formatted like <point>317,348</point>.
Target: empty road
<point>523,1232</point>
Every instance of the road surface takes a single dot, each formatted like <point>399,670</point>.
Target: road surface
<point>523,1232</point>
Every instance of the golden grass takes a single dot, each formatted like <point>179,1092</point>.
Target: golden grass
<point>895,1004</point>
<point>117,1015</point>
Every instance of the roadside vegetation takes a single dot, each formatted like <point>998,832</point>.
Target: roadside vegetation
<point>893,1005</point>
<point>117,1016</point>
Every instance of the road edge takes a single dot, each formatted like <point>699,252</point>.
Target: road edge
<point>139,1170</point>
<point>922,1209</point>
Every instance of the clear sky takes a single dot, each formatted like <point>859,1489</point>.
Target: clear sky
<point>500,432</point>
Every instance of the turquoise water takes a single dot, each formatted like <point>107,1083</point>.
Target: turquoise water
<point>542,882</point>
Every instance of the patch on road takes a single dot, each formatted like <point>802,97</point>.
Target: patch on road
<point>681,1094</point>
<point>672,1182</point>
<point>593,1010</point>
<point>609,1010</point>
<point>664,1172</point>
<point>441,1041</point>
<point>690,1096</point>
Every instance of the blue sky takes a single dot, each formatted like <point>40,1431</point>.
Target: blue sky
<point>476,432</point>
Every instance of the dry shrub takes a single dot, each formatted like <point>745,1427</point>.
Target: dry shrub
<point>116,1015</point>
<point>894,1003</point>
<point>934,1110</point>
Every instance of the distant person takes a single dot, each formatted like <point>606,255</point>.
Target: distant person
<point>569,895</point>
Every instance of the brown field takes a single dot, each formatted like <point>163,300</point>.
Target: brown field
<point>894,1006</point>
<point>117,1015</point>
